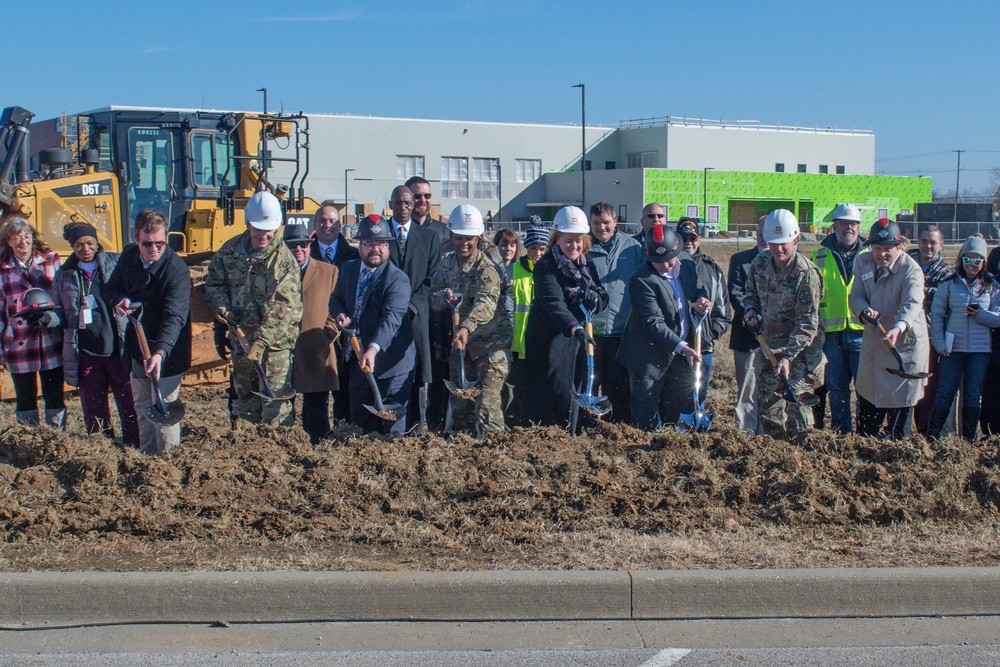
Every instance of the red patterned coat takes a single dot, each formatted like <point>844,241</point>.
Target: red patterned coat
<point>27,348</point>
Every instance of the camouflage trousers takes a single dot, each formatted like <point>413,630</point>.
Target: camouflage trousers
<point>780,418</point>
<point>487,408</point>
<point>252,408</point>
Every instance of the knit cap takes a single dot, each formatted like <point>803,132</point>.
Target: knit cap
<point>974,245</point>
<point>536,236</point>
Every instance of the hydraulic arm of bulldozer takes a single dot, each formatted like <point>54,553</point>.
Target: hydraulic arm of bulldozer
<point>14,138</point>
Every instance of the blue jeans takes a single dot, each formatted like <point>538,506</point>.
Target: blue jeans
<point>843,353</point>
<point>967,369</point>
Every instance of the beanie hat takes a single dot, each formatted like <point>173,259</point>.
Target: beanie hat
<point>536,236</point>
<point>75,231</point>
<point>974,245</point>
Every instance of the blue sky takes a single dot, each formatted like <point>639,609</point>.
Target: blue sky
<point>922,74</point>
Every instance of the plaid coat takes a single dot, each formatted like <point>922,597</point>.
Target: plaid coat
<point>25,348</point>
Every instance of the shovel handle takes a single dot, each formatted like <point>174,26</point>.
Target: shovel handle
<point>356,344</point>
<point>767,350</point>
<point>589,327</point>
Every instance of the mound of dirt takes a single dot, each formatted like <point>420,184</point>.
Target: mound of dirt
<point>262,497</point>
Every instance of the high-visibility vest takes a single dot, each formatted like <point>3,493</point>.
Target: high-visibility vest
<point>524,294</point>
<point>834,312</point>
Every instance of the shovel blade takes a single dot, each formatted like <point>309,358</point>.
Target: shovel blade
<point>393,412</point>
<point>908,376</point>
<point>165,414</point>
<point>686,423</point>
<point>595,405</point>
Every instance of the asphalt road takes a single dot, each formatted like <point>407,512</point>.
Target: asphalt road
<point>901,642</point>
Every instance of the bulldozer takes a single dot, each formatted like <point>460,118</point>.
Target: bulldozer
<point>198,168</point>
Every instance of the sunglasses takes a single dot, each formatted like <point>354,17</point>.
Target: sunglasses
<point>974,261</point>
<point>426,196</point>
<point>160,245</point>
<point>298,244</point>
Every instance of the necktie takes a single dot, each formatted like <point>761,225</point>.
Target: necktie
<point>328,255</point>
<point>366,277</point>
<point>401,240</point>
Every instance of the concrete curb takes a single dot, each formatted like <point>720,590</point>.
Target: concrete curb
<point>47,599</point>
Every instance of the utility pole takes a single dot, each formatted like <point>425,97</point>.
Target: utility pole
<point>958,171</point>
<point>344,221</point>
<point>704,192</point>
<point>583,144</point>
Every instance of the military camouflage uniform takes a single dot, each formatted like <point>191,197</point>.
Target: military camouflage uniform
<point>491,325</point>
<point>787,303</point>
<point>261,292</point>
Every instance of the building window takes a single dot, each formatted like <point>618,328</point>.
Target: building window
<point>713,214</point>
<point>408,166</point>
<point>779,167</point>
<point>454,178</point>
<point>840,169</point>
<point>801,168</point>
<point>824,169</point>
<point>485,177</point>
<point>692,211</point>
<point>527,171</point>
<point>609,164</point>
<point>647,160</point>
<point>883,213</point>
<point>586,165</point>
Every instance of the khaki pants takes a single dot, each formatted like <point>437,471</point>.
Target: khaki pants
<point>154,438</point>
<point>747,394</point>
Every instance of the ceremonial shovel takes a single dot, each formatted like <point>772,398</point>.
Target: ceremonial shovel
<point>595,405</point>
<point>901,371</point>
<point>392,412</point>
<point>266,392</point>
<point>806,398</point>
<point>699,420</point>
<point>464,389</point>
<point>160,412</point>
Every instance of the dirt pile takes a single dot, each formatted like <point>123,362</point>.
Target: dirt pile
<point>528,498</point>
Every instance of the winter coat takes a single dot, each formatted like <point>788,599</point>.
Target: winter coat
<point>165,292</point>
<point>972,334</point>
<point>27,348</point>
<point>720,316</point>
<point>614,265</point>
<point>897,296</point>
<point>69,290</point>
<point>314,359</point>
<point>741,339</point>
<point>552,353</point>
<point>935,273</point>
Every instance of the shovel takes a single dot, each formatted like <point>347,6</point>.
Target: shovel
<point>266,392</point>
<point>901,371</point>
<point>464,389</point>
<point>699,420</point>
<point>160,412</point>
<point>595,405</point>
<point>806,398</point>
<point>390,413</point>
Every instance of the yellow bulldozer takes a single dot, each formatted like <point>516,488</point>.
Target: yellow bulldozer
<point>198,168</point>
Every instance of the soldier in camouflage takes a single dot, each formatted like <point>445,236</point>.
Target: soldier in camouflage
<point>486,320</point>
<point>254,280</point>
<point>783,290</point>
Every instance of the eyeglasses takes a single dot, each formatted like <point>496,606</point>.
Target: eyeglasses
<point>974,261</point>
<point>298,244</point>
<point>160,245</point>
<point>375,244</point>
<point>407,204</point>
<point>423,195</point>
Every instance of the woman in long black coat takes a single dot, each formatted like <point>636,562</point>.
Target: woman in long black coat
<point>555,360</point>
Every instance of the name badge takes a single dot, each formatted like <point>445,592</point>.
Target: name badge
<point>86,317</point>
<point>89,302</point>
<point>868,276</point>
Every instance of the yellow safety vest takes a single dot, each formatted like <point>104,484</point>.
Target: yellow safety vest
<point>834,312</point>
<point>524,294</point>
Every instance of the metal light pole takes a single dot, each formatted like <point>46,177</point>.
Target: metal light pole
<point>704,192</point>
<point>345,195</point>
<point>583,144</point>
<point>958,170</point>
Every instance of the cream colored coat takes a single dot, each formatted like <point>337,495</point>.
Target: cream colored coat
<point>897,296</point>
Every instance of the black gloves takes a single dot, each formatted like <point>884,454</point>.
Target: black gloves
<point>220,333</point>
<point>581,335</point>
<point>590,299</point>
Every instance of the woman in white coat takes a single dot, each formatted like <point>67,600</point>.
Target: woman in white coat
<point>889,287</point>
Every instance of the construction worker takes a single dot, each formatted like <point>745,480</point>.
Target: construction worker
<point>536,242</point>
<point>720,316</point>
<point>253,281</point>
<point>655,346</point>
<point>615,257</point>
<point>784,290</point>
<point>936,270</point>
<point>842,344</point>
<point>469,279</point>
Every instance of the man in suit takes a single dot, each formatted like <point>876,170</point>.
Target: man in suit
<point>655,344</point>
<point>417,251</point>
<point>372,296</point>
<point>314,358</point>
<point>742,341</point>
<point>331,247</point>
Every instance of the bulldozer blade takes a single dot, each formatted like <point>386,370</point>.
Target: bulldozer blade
<point>595,405</point>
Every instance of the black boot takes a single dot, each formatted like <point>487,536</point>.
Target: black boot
<point>935,422</point>
<point>970,423</point>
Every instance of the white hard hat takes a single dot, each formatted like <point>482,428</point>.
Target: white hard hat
<point>571,220</point>
<point>263,211</point>
<point>847,212</point>
<point>780,226</point>
<point>466,220</point>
